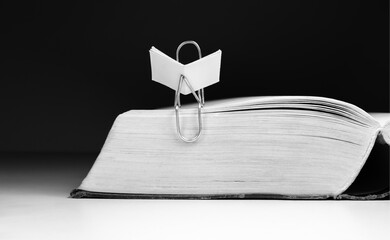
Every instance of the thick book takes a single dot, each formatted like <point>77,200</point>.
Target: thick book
<point>293,147</point>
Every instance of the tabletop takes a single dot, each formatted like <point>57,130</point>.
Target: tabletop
<point>34,204</point>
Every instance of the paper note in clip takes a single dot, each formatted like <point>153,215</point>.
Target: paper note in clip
<point>200,73</point>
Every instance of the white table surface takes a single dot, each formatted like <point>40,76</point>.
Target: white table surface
<point>34,204</point>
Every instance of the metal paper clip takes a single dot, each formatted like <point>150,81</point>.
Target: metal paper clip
<point>198,96</point>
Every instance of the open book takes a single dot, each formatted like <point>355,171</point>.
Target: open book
<point>283,147</point>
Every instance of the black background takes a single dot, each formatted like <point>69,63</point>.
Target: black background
<point>69,68</point>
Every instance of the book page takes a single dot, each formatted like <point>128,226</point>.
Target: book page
<point>384,120</point>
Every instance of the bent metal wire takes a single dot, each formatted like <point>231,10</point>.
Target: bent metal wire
<point>199,96</point>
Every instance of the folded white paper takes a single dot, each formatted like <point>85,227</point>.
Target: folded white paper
<point>200,73</point>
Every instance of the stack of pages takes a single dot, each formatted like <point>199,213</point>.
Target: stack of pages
<point>282,147</point>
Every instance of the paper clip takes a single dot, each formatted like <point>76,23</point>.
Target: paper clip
<point>198,96</point>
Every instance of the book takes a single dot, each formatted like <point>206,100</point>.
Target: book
<point>256,147</point>
<point>201,73</point>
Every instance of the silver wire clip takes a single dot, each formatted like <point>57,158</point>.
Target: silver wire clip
<point>199,96</point>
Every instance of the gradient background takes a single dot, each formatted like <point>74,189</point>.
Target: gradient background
<point>69,68</point>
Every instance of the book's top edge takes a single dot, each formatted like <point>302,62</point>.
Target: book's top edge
<point>282,100</point>
<point>313,103</point>
<point>285,100</point>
